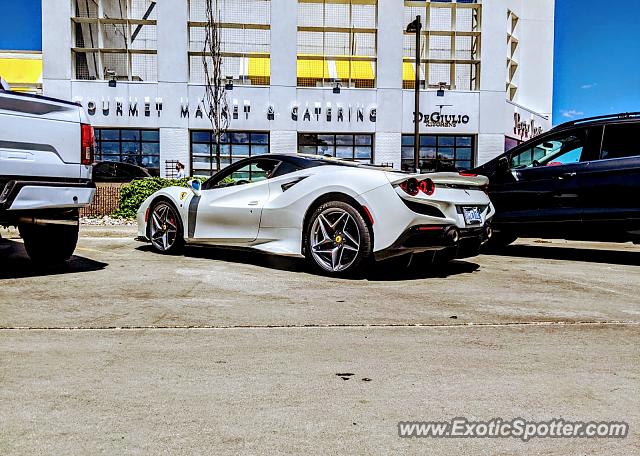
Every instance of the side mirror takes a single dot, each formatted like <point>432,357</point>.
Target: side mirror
<point>503,164</point>
<point>195,186</point>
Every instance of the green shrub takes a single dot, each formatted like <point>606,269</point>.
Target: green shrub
<point>133,195</point>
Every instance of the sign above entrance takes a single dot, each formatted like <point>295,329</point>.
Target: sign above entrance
<point>525,129</point>
<point>440,120</point>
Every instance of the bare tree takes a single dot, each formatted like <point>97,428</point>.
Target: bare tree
<point>216,104</point>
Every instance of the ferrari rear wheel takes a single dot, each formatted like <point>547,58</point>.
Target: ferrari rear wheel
<point>338,239</point>
<point>165,228</point>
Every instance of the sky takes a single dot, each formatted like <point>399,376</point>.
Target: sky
<point>597,58</point>
<point>597,52</point>
<point>20,25</point>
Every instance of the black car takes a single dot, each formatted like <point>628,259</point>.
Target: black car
<point>580,180</point>
<point>106,171</point>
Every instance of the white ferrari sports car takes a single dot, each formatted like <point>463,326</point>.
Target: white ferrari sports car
<point>337,214</point>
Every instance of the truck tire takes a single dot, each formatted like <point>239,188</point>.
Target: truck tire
<point>49,244</point>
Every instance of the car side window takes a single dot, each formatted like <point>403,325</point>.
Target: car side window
<point>556,150</point>
<point>253,171</point>
<point>285,168</point>
<point>620,141</point>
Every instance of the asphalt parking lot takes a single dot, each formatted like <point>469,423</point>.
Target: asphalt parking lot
<point>225,352</point>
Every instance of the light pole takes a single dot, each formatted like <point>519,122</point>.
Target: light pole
<point>416,27</point>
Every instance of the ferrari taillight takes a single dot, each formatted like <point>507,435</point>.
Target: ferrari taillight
<point>413,186</point>
<point>410,186</point>
<point>427,187</point>
<point>87,141</point>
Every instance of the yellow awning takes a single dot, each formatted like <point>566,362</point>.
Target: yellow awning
<point>408,71</point>
<point>313,69</point>
<point>259,67</point>
<point>355,69</point>
<point>21,70</point>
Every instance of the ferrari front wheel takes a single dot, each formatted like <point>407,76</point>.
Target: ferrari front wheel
<point>338,240</point>
<point>165,228</point>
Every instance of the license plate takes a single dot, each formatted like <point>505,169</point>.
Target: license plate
<point>471,215</point>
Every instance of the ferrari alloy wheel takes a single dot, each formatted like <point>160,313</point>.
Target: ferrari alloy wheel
<point>338,239</point>
<point>165,229</point>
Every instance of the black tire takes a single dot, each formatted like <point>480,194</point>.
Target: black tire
<point>344,238</point>
<point>49,244</point>
<point>499,241</point>
<point>176,242</point>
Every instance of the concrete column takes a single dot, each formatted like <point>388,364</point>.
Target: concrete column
<point>493,68</point>
<point>284,28</point>
<point>56,48</point>
<point>282,93</point>
<point>389,82</point>
<point>173,76</point>
<point>536,33</point>
<point>390,27</point>
<point>493,77</point>
<point>173,41</point>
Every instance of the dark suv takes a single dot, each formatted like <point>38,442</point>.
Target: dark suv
<point>580,180</point>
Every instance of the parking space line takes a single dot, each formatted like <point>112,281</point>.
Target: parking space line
<point>327,326</point>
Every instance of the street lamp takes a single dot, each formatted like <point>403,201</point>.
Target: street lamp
<point>416,27</point>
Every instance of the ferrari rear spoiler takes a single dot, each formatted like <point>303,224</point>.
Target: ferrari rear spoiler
<point>457,179</point>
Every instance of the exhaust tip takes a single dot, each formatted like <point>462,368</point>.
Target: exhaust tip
<point>452,235</point>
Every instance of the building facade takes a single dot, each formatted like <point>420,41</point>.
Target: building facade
<point>332,77</point>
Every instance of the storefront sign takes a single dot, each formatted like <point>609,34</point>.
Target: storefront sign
<point>525,130</point>
<point>121,107</point>
<point>239,109</point>
<point>330,114</point>
<point>440,120</point>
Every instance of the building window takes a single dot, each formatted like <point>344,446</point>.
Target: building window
<point>358,147</point>
<point>450,54</point>
<point>245,40</point>
<point>439,153</point>
<point>510,143</point>
<point>337,43</point>
<point>234,146</point>
<point>136,147</point>
<point>115,39</point>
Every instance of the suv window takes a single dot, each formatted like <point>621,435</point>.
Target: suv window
<point>621,140</point>
<point>562,149</point>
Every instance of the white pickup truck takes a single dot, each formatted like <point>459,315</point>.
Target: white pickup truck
<point>46,153</point>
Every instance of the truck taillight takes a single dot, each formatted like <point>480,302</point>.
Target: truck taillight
<point>88,144</point>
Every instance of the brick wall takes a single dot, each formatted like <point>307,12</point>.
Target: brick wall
<point>387,148</point>
<point>174,145</point>
<point>283,142</point>
<point>489,147</point>
<point>105,201</point>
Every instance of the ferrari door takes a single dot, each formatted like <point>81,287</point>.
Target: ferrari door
<point>231,211</point>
